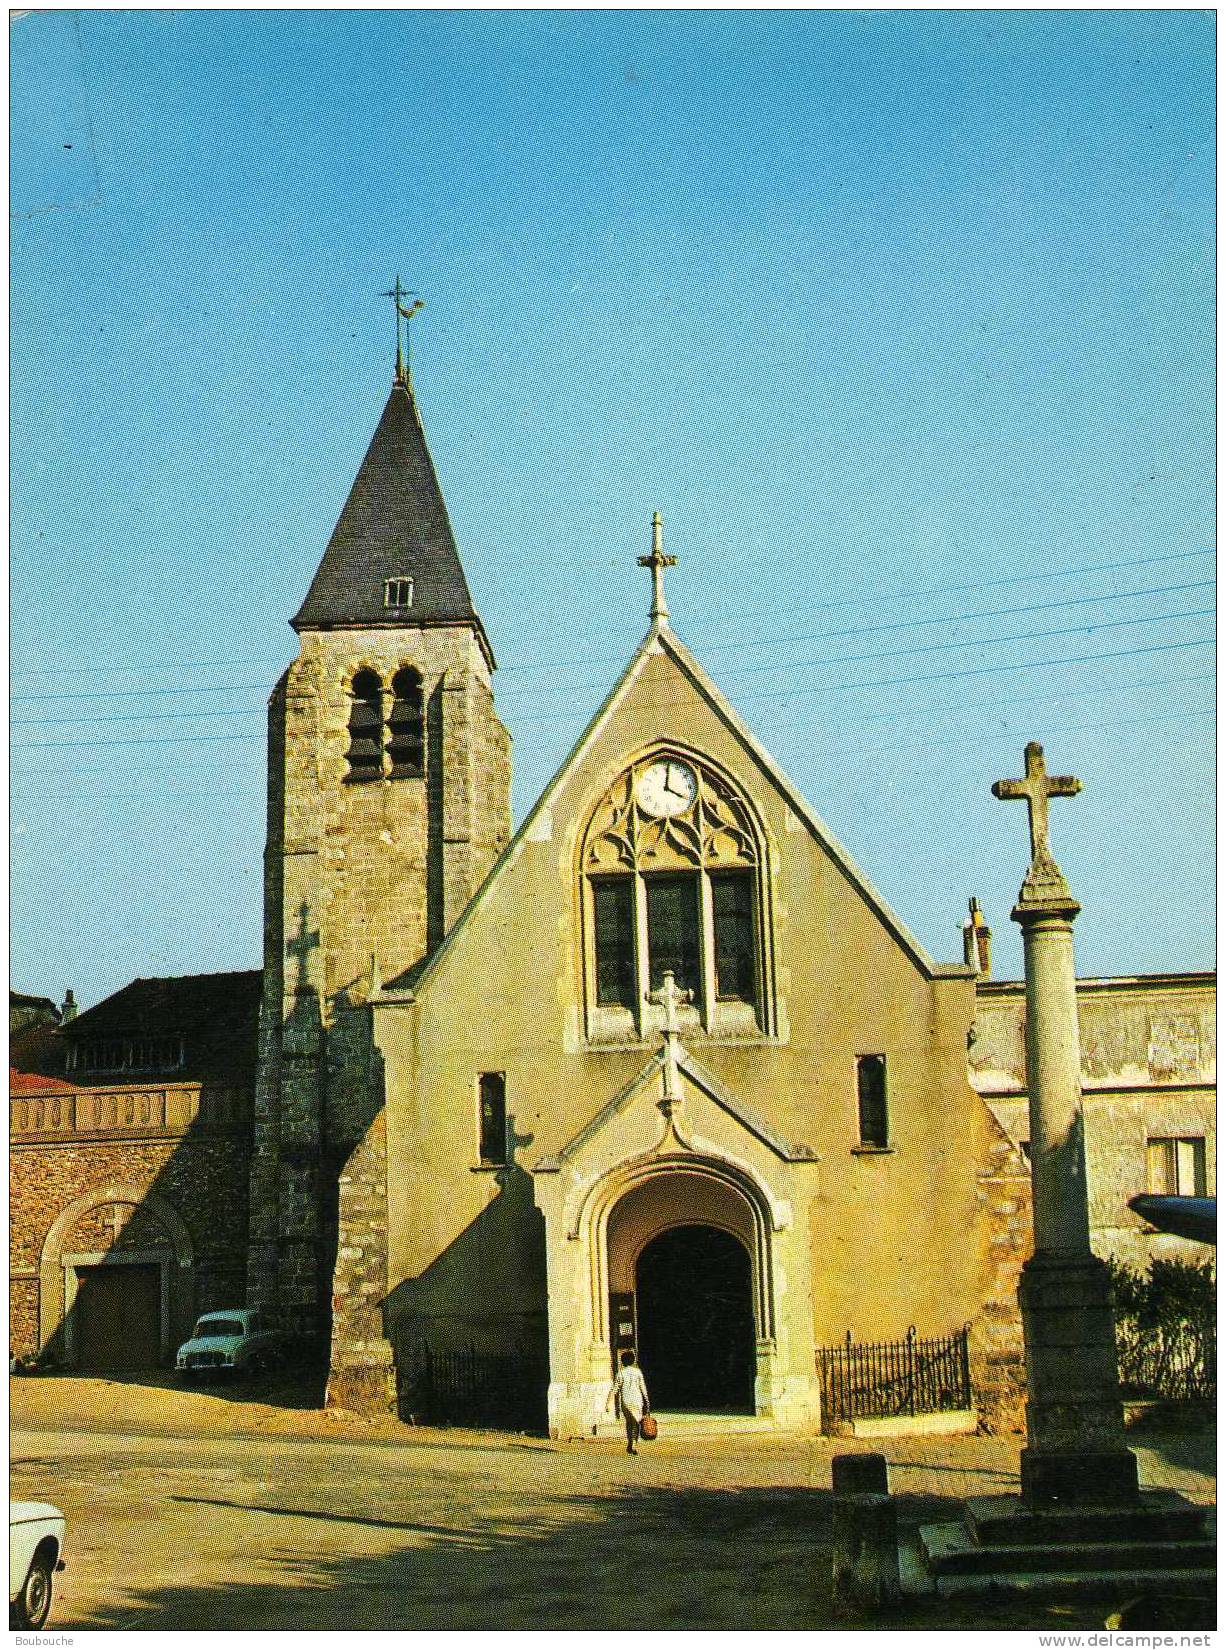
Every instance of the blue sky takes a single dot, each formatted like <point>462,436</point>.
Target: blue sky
<point>903,320</point>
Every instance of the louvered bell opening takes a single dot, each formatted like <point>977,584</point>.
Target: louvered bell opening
<point>406,727</point>
<point>365,753</point>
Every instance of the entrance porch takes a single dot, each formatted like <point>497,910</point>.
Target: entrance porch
<point>670,1231</point>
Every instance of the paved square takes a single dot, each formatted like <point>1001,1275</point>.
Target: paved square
<point>205,1510</point>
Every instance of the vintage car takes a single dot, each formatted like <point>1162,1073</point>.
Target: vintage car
<point>237,1341</point>
<point>36,1539</point>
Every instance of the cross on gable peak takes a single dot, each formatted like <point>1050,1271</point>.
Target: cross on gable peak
<point>658,561</point>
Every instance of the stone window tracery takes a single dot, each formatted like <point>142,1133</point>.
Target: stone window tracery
<point>674,880</point>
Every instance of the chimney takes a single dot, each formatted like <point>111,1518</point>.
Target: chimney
<point>977,941</point>
<point>68,1008</point>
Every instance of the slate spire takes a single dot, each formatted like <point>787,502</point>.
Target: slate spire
<point>394,526</point>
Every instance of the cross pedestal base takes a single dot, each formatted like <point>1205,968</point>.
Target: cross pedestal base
<point>1080,1478</point>
<point>1075,1454</point>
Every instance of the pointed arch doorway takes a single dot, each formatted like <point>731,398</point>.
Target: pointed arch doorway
<point>683,1291</point>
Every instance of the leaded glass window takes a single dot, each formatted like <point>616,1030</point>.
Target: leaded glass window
<point>672,931</point>
<point>613,905</point>
<point>870,1093</point>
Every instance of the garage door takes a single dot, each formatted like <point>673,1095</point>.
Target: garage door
<point>118,1316</point>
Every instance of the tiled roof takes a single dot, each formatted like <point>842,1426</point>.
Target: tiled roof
<point>394,526</point>
<point>30,1082</point>
<point>216,1015</point>
<point>22,999</point>
<point>37,1048</point>
<point>185,1002</point>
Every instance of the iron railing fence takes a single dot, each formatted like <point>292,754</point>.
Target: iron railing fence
<point>1173,1360</point>
<point>469,1388</point>
<point>914,1376</point>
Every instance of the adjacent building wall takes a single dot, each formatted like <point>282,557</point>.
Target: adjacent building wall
<point>108,1170</point>
<point>1149,1069</point>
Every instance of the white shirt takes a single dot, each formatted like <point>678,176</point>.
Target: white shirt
<point>629,1394</point>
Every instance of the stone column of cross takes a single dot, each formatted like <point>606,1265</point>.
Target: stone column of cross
<point>1075,1452</point>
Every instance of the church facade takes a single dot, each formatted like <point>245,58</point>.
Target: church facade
<point>661,1070</point>
<point>664,1070</point>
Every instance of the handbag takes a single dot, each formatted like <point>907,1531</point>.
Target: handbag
<point>648,1428</point>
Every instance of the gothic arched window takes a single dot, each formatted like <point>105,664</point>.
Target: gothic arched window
<point>406,744</point>
<point>365,753</point>
<point>673,882</point>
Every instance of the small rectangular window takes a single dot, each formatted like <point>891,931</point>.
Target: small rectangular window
<point>493,1099</point>
<point>613,912</point>
<point>672,931</point>
<point>1175,1167</point>
<point>398,593</point>
<point>732,908</point>
<point>870,1094</point>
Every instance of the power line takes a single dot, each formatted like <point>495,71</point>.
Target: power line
<point>877,597</point>
<point>91,667</point>
<point>990,641</point>
<point>144,693</point>
<point>722,647</point>
<point>981,708</point>
<point>907,681</point>
<point>748,670</point>
<point>909,652</point>
<point>1000,738</point>
<point>143,716</point>
<point>785,693</point>
<point>910,624</point>
<point>828,750</point>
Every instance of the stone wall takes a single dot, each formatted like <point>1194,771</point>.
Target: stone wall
<point>1002,1195</point>
<point>199,1175</point>
<point>362,1375</point>
<point>1148,1070</point>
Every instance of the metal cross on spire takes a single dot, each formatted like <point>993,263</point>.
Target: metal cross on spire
<point>404,375</point>
<point>657,561</point>
<point>1035,790</point>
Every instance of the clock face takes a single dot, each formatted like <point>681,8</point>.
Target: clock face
<point>666,788</point>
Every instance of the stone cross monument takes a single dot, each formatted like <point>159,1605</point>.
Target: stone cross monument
<point>1075,1453</point>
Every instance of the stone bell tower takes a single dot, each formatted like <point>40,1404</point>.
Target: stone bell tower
<point>388,801</point>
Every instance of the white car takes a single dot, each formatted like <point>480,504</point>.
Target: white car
<point>36,1539</point>
<point>238,1341</point>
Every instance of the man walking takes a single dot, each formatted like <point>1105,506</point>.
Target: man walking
<point>629,1398</point>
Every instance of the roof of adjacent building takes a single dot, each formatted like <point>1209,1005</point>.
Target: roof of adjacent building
<point>23,999</point>
<point>33,1082</point>
<point>394,525</point>
<point>216,1015</point>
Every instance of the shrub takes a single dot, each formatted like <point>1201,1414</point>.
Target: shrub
<point>1166,1328</point>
